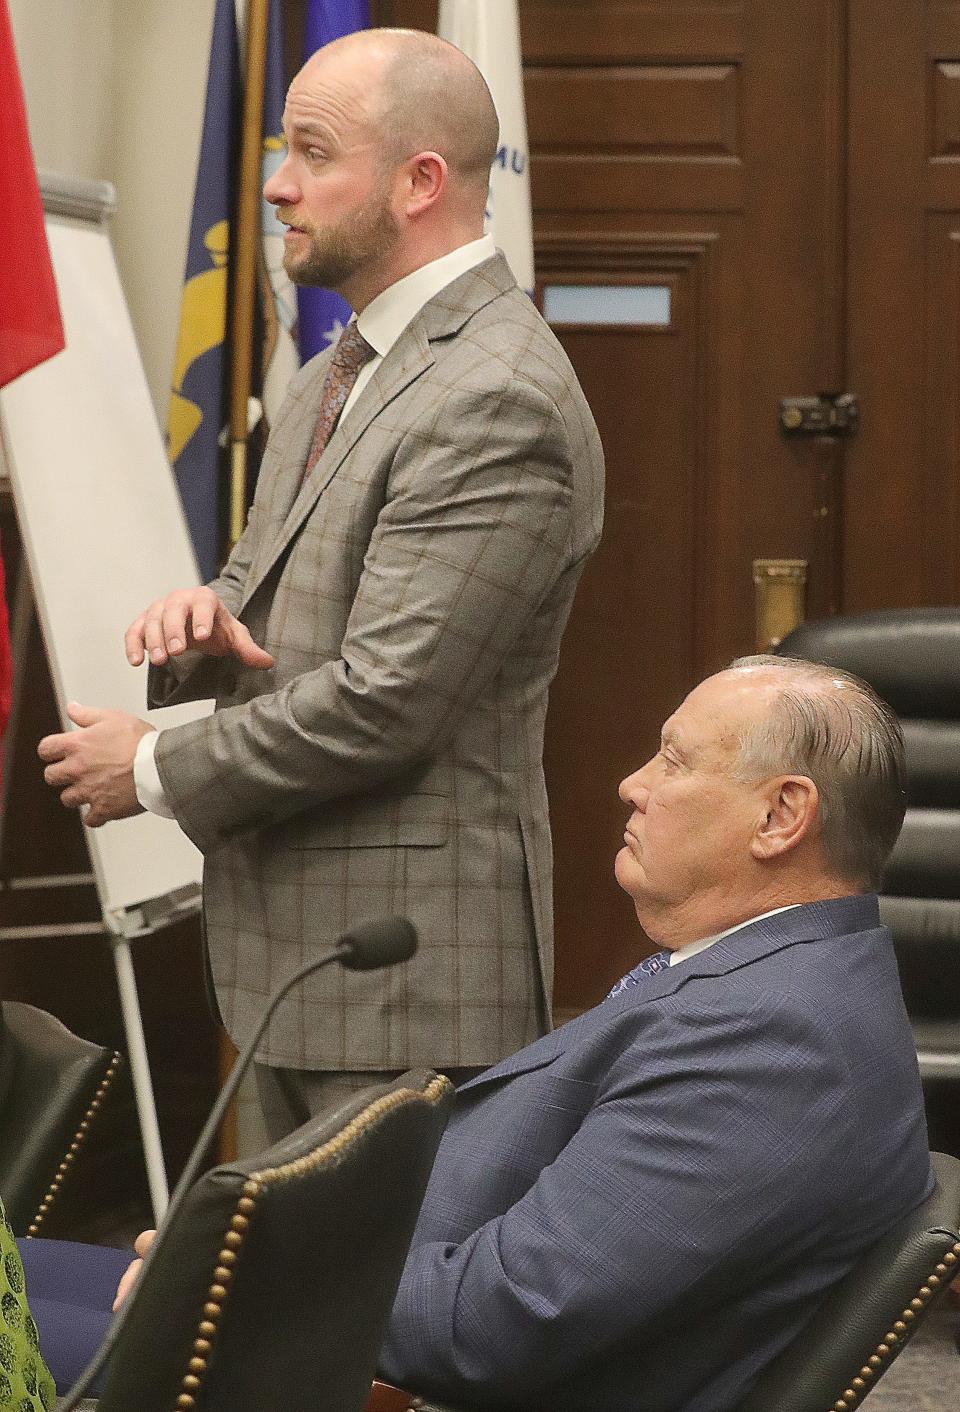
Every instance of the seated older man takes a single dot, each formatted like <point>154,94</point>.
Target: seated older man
<point>640,1209</point>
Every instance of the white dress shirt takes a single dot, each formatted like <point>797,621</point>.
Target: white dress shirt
<point>381,323</point>
<point>683,953</point>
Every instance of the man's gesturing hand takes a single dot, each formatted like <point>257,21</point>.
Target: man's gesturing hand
<point>94,766</point>
<point>131,1274</point>
<point>191,618</point>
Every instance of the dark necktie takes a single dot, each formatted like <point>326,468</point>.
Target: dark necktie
<point>649,967</point>
<point>349,356</point>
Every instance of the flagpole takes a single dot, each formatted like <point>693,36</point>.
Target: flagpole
<point>245,259</point>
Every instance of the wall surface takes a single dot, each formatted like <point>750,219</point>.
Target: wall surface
<point>116,90</point>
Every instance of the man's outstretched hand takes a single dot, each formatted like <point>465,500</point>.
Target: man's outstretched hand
<point>131,1274</point>
<point>191,618</point>
<point>93,767</point>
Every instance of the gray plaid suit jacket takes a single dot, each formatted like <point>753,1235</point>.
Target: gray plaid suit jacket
<point>413,591</point>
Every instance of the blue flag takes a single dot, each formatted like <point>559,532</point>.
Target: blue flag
<point>280,357</point>
<point>323,313</point>
<point>198,405</point>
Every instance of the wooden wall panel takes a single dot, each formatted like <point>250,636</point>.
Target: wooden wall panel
<point>662,137</point>
<point>902,502</point>
<point>608,30</point>
<point>663,109</point>
<point>639,600</point>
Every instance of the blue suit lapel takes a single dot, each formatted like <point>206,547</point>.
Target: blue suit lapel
<point>812,922</point>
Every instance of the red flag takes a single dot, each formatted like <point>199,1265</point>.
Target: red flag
<point>6,666</point>
<point>30,327</point>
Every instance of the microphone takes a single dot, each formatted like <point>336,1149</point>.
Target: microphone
<point>375,944</point>
<point>367,947</point>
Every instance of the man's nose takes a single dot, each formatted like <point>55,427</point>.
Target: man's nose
<point>633,790</point>
<point>279,188</point>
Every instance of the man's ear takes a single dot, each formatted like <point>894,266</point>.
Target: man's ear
<point>424,181</point>
<point>792,803</point>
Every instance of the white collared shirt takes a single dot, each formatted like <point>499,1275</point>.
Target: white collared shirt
<point>683,953</point>
<point>381,323</point>
<point>385,318</point>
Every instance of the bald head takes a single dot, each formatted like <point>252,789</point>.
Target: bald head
<point>390,137</point>
<point>423,95</point>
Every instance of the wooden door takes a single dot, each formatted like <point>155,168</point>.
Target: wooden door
<point>902,533</point>
<point>697,148</point>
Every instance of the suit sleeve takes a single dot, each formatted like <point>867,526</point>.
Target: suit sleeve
<point>700,1157</point>
<point>470,540</point>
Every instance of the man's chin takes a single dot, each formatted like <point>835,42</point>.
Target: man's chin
<point>625,869</point>
<point>297,270</point>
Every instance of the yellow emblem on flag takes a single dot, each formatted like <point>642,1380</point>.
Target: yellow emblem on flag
<point>203,324</point>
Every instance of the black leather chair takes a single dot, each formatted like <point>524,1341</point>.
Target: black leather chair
<point>52,1088</point>
<point>271,1290</point>
<point>911,656</point>
<point>872,1314</point>
<point>860,1328</point>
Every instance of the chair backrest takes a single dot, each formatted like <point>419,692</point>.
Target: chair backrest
<point>868,1318</point>
<point>52,1087</point>
<point>911,656</point>
<point>271,1290</point>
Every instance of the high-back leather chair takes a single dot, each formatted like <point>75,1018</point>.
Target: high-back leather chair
<point>863,1324</point>
<point>52,1088</point>
<point>872,1314</point>
<point>272,1287</point>
<point>911,657</point>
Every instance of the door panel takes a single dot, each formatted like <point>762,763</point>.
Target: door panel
<point>639,599</point>
<point>901,478</point>
<point>714,153</point>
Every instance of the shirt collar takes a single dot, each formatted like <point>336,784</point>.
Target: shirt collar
<point>683,953</point>
<point>385,318</point>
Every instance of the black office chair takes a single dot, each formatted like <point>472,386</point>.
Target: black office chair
<point>863,1324</point>
<point>911,657</point>
<point>272,1288</point>
<point>872,1314</point>
<point>52,1089</point>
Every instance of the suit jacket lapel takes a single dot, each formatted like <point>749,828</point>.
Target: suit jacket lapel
<point>442,317</point>
<point>812,922</point>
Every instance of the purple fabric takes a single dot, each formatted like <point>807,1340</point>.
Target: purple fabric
<point>70,1290</point>
<point>322,313</point>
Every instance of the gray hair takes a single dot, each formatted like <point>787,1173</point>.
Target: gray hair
<point>832,727</point>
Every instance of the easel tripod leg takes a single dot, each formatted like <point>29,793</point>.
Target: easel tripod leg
<point>142,1083</point>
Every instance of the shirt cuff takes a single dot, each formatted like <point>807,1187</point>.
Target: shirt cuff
<point>146,778</point>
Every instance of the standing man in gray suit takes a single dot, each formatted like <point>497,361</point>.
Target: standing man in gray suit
<point>381,640</point>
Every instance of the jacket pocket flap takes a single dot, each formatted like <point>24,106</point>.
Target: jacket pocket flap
<point>391,821</point>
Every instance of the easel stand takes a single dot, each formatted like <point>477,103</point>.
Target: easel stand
<point>133,921</point>
<point>103,532</point>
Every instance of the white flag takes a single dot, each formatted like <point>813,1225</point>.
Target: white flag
<point>488,32</point>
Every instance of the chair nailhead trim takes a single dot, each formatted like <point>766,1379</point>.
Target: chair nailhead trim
<point>95,1105</point>
<point>853,1395</point>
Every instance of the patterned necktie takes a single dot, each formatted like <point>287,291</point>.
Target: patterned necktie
<point>349,356</point>
<point>649,967</point>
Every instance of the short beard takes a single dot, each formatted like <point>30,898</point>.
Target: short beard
<point>360,241</point>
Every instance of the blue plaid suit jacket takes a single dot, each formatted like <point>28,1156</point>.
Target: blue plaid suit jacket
<point>639,1210</point>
